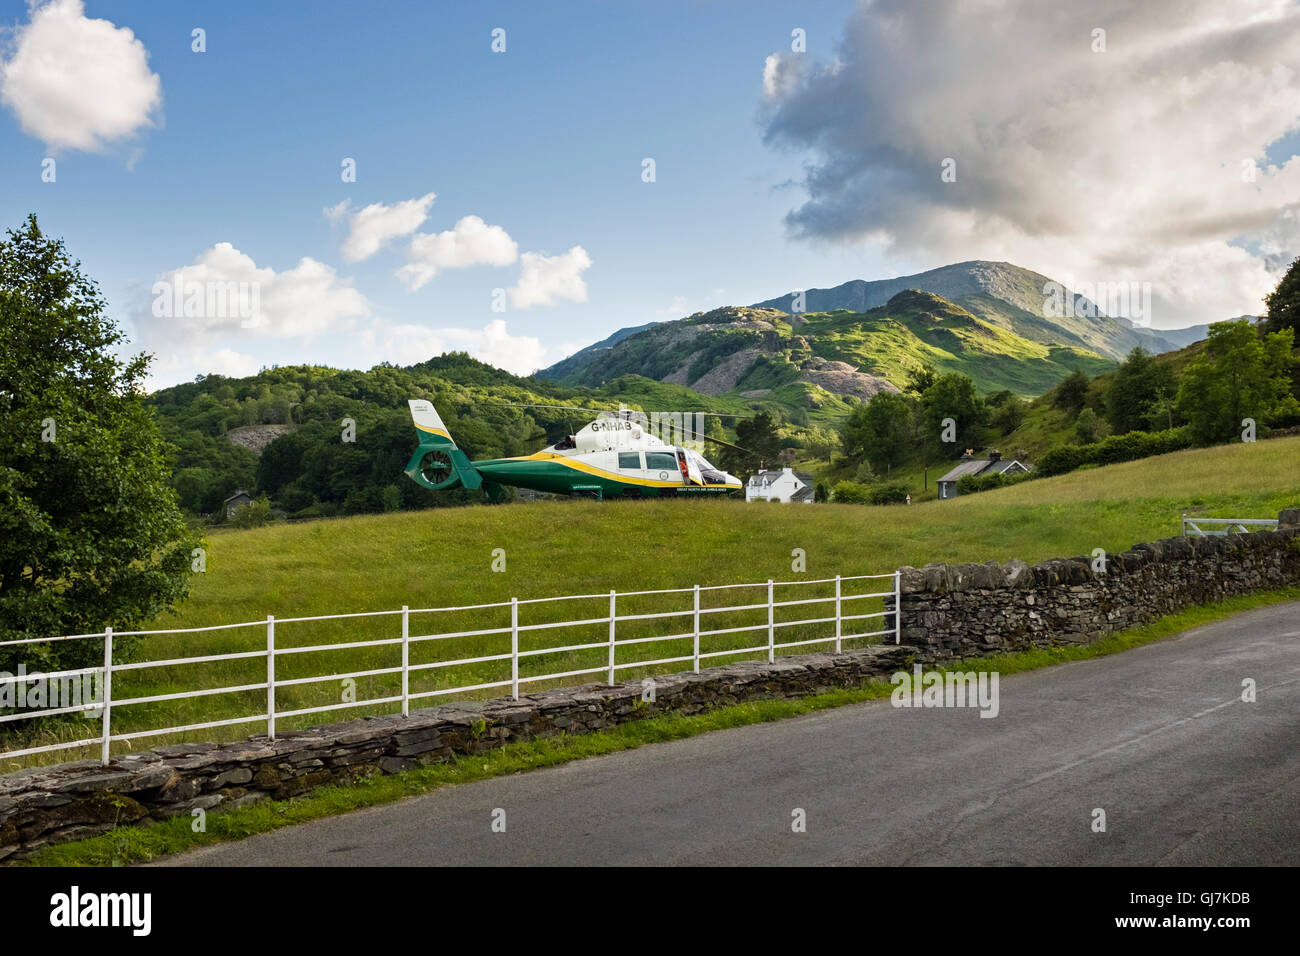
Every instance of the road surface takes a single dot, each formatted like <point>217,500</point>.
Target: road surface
<point>1157,737</point>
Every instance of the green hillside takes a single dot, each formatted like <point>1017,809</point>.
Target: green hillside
<point>1010,297</point>
<point>753,352</point>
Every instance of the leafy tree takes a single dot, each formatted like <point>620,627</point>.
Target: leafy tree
<point>919,379</point>
<point>879,430</point>
<point>1140,382</point>
<point>1009,415</point>
<point>1283,303</point>
<point>952,396</point>
<point>1087,427</point>
<point>91,534</point>
<point>1238,375</point>
<point>762,444</point>
<point>1071,394</point>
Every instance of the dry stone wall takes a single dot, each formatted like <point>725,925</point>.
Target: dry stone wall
<point>967,610</point>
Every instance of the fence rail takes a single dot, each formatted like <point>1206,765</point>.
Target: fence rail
<point>1192,527</point>
<point>754,624</point>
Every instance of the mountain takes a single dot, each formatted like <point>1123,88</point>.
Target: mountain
<point>1004,295</point>
<point>802,360</point>
<point>562,368</point>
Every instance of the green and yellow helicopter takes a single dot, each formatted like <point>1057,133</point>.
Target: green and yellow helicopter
<point>611,457</point>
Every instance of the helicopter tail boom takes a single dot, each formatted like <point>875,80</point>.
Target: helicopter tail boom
<point>437,463</point>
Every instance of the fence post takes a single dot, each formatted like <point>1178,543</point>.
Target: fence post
<point>898,607</point>
<point>697,628</point>
<point>270,677</point>
<point>406,661</point>
<point>108,693</point>
<point>771,626</point>
<point>839,624</point>
<point>613,616</point>
<point>514,647</point>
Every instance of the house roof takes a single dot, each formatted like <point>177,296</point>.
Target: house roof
<point>973,467</point>
<point>238,492</point>
<point>774,473</point>
<point>803,494</point>
<point>982,466</point>
<point>1000,466</point>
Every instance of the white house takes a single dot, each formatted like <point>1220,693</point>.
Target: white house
<point>785,486</point>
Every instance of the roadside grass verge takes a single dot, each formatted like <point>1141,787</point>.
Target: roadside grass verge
<point>136,844</point>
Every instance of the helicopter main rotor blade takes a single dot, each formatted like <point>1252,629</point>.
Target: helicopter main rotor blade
<point>580,408</point>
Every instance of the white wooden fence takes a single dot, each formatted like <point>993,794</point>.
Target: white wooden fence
<point>838,612</point>
<point>1202,527</point>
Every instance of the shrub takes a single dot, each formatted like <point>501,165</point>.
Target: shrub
<point>851,493</point>
<point>891,493</point>
<point>969,484</point>
<point>253,515</point>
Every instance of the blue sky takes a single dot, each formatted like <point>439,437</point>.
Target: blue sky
<point>545,140</point>
<point>775,169</point>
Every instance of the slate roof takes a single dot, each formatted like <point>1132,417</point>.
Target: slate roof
<point>982,466</point>
<point>975,466</point>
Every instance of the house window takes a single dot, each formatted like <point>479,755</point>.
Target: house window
<point>630,460</point>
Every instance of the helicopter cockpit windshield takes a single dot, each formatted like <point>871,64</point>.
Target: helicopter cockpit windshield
<point>711,475</point>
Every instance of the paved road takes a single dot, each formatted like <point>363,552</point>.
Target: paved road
<point>1158,737</point>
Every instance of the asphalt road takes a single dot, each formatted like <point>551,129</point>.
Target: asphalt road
<point>1157,737</point>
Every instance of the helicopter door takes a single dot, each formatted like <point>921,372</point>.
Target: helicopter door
<point>690,470</point>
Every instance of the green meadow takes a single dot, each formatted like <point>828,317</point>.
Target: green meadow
<point>444,558</point>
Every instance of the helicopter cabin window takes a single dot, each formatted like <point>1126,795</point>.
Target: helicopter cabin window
<point>629,460</point>
<point>660,461</point>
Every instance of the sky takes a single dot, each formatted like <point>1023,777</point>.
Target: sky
<point>345,185</point>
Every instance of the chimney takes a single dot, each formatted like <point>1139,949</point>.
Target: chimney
<point>995,456</point>
<point>970,453</point>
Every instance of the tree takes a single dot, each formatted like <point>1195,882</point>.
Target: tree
<point>952,396</point>
<point>1283,303</point>
<point>919,379</point>
<point>1140,382</point>
<point>1087,426</point>
<point>879,431</point>
<point>761,444</point>
<point>91,534</point>
<point>1238,375</point>
<point>1008,415</point>
<point>1071,393</point>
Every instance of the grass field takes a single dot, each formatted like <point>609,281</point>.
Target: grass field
<point>444,557</point>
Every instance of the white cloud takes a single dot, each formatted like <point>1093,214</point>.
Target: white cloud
<point>223,292</point>
<point>78,83</point>
<point>471,242</point>
<point>545,280</point>
<point>370,228</point>
<point>1123,165</point>
<point>404,344</point>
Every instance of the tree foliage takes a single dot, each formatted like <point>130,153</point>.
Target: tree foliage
<point>1140,382</point>
<point>91,534</point>
<point>1283,302</point>
<point>1238,375</point>
<point>880,431</point>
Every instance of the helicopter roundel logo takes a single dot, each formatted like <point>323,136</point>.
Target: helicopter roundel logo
<point>663,476</point>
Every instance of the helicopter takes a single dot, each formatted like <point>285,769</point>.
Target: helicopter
<point>611,457</point>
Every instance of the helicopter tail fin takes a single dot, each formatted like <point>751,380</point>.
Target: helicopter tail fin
<point>437,463</point>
